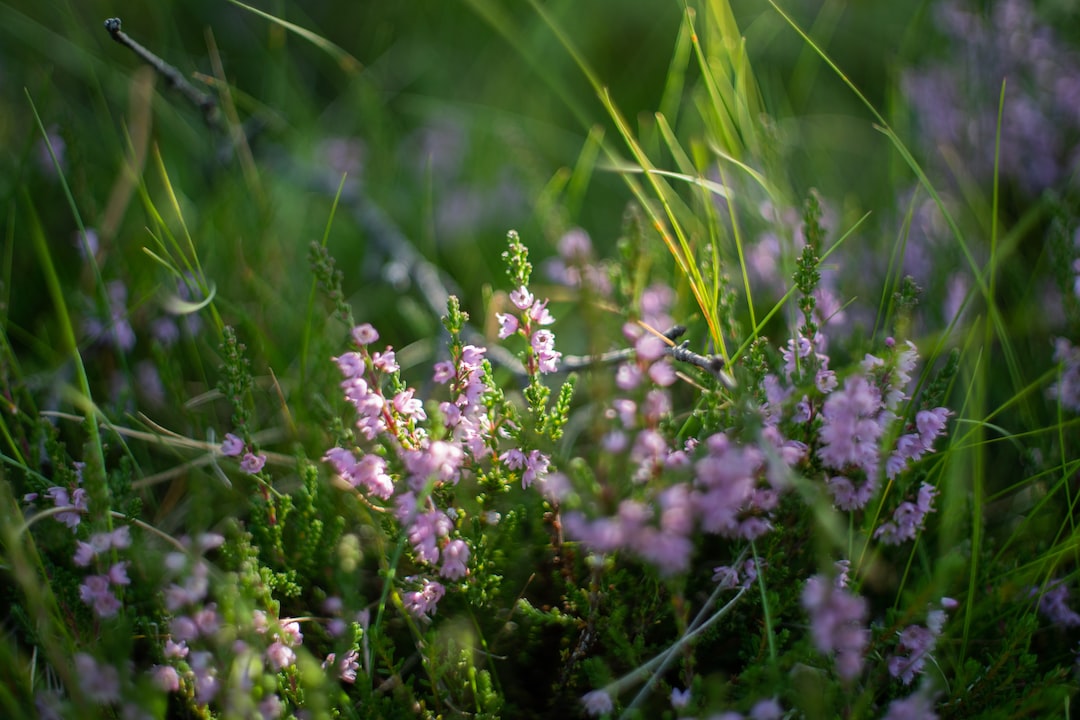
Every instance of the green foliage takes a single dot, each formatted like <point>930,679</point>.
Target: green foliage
<point>141,245</point>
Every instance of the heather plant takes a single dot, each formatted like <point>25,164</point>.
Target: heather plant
<point>681,468</point>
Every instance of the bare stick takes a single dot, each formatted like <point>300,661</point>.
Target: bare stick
<point>430,281</point>
<point>206,103</point>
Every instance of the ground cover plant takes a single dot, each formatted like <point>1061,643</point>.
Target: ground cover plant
<point>766,408</point>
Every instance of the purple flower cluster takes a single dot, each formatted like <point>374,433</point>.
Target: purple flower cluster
<point>96,590</point>
<point>1054,604</point>
<point>733,490</point>
<point>918,706</point>
<point>77,499</point>
<point>838,622</point>
<point>1066,390</point>
<point>116,329</point>
<point>908,519</point>
<point>346,667</point>
<point>916,643</point>
<point>730,490</point>
<point>200,642</point>
<point>575,266</point>
<point>956,98</point>
<point>851,428</point>
<point>251,462</point>
<point>855,421</point>
<point>403,462</point>
<point>728,577</point>
<point>422,601</point>
<point>532,312</point>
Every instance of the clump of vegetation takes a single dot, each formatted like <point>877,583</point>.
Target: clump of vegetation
<point>278,442</point>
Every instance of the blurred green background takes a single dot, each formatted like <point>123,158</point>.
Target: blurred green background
<point>458,120</point>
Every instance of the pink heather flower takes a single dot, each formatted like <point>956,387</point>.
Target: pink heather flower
<point>175,650</point>
<point>575,245</point>
<point>508,325</point>
<point>280,656</point>
<point>657,405</point>
<point>78,501</point>
<point>424,533</point>
<point>616,442</point>
<point>370,473</point>
<point>409,406</point>
<point>603,535</point>
<point>677,509</point>
<point>915,707</point>
<point>662,373</point>
<point>207,620</point>
<point>251,463</point>
<point>100,682</point>
<point>270,707</point>
<point>656,301</point>
<point>232,446</point>
<point>440,461</point>
<point>668,552</point>
<point>795,350</point>
<point>768,709</point>
<point>536,467</point>
<point>455,559</point>
<point>931,424</point>
<point>908,519</point>
<point>84,553</point>
<point>118,574</point>
<point>183,628</point>
<point>649,348</point>
<point>106,605</point>
<point>851,431</point>
<point>291,633</point>
<point>916,643</point>
<point>120,538</point>
<point>838,623</point>
<point>207,685</point>
<point>95,591</point>
<point>191,592</point>
<point>513,458</point>
<point>386,362</point>
<point>1066,389</point>
<point>472,357</point>
<point>597,702</point>
<point>101,542</point>
<point>522,298</point>
<point>543,344</point>
<point>351,364</point>
<point>422,603</point>
<point>165,677</point>
<point>848,497</point>
<point>364,334</point>
<point>348,666</point>
<point>539,313</point>
<point>726,577</point>
<point>58,495</point>
<point>342,460</point>
<point>628,377</point>
<point>444,372</point>
<point>1054,605</point>
<point>356,390</point>
<point>649,447</point>
<point>825,380</point>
